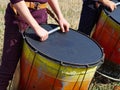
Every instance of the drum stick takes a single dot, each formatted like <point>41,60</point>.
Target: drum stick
<point>53,30</point>
<point>118,3</point>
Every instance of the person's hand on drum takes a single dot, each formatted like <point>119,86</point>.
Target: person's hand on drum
<point>64,25</point>
<point>42,33</point>
<point>26,15</point>
<point>110,4</point>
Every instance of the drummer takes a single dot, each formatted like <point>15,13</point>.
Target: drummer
<point>90,13</point>
<point>20,14</point>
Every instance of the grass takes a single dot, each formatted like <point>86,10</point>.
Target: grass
<point>2,12</point>
<point>71,10</point>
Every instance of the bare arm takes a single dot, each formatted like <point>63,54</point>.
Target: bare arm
<point>26,15</point>
<point>63,23</point>
<point>110,4</point>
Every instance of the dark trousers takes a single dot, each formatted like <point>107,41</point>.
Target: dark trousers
<point>89,17</point>
<point>11,54</point>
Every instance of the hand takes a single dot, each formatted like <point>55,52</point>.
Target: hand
<point>110,4</point>
<point>43,34</point>
<point>64,25</point>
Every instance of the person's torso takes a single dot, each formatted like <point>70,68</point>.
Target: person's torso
<point>39,15</point>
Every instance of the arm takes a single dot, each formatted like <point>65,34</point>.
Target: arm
<point>108,3</point>
<point>55,7</point>
<point>26,15</point>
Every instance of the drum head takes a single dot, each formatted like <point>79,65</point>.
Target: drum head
<point>115,15</point>
<point>71,48</point>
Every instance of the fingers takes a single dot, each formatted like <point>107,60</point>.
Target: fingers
<point>42,33</point>
<point>44,37</point>
<point>64,26</point>
<point>112,6</point>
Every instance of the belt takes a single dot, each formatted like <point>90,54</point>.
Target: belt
<point>32,5</point>
<point>36,5</point>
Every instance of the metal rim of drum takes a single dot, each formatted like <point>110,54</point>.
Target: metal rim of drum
<point>99,62</point>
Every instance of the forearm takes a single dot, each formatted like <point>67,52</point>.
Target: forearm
<point>103,1</point>
<point>108,3</point>
<point>25,14</point>
<point>61,20</point>
<point>55,7</point>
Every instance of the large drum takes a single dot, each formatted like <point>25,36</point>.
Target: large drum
<point>66,61</point>
<point>107,34</point>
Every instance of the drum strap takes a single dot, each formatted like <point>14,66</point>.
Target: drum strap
<point>52,15</point>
